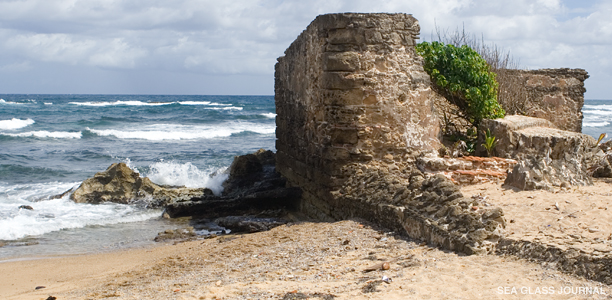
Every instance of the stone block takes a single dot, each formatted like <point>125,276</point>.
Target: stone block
<point>346,36</point>
<point>341,61</point>
<point>341,80</point>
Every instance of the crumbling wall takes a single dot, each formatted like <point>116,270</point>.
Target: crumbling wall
<point>351,89</point>
<point>556,95</point>
<point>354,111</point>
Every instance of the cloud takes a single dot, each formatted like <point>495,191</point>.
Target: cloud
<point>244,37</point>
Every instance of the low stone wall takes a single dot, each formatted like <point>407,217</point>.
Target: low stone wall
<point>556,95</point>
<point>594,266</point>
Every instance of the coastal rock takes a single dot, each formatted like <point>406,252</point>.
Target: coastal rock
<point>249,224</point>
<point>120,184</point>
<point>253,185</point>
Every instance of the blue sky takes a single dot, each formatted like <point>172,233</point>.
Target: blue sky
<point>230,47</point>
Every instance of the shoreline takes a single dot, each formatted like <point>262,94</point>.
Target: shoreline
<point>324,259</point>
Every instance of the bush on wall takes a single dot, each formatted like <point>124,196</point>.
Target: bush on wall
<point>464,78</point>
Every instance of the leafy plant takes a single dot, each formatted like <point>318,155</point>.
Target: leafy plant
<point>489,143</point>
<point>463,77</point>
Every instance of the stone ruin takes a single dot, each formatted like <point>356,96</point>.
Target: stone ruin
<point>354,113</point>
<point>359,129</point>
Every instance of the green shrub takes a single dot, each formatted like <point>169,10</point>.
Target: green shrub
<point>463,77</point>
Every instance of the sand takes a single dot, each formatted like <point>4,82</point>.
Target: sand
<point>331,260</point>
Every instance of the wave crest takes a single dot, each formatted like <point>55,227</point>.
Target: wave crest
<point>15,123</point>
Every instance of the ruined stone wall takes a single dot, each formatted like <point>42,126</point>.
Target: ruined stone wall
<point>354,111</point>
<point>556,95</point>
<point>350,88</point>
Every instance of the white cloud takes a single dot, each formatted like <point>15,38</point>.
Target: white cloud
<point>209,37</point>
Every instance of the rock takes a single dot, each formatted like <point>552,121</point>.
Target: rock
<point>120,184</point>
<point>249,224</point>
<point>26,207</point>
<point>253,184</point>
<point>246,170</point>
<point>540,173</point>
<point>174,234</point>
<point>602,165</point>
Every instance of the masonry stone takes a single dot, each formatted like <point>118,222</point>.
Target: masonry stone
<point>354,112</point>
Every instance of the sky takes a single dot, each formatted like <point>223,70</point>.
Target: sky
<point>229,47</point>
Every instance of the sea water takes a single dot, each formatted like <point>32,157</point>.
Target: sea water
<point>51,143</point>
<point>597,118</point>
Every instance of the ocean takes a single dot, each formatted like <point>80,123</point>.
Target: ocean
<point>597,118</point>
<point>51,143</point>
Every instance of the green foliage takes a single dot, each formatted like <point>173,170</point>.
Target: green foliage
<point>463,77</point>
<point>489,143</point>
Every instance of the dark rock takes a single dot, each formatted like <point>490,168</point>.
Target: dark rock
<point>249,224</point>
<point>175,234</point>
<point>120,184</point>
<point>26,207</point>
<point>253,184</point>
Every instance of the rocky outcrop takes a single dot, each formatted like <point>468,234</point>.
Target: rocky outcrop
<point>548,157</point>
<point>253,185</point>
<point>120,184</point>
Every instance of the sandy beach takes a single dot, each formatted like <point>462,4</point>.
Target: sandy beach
<point>340,260</point>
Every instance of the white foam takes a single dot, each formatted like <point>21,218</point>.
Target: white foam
<point>120,103</point>
<point>600,112</point>
<point>602,106</point>
<point>48,103</point>
<point>56,214</point>
<point>140,103</point>
<point>47,134</point>
<point>202,103</point>
<point>161,132</point>
<point>186,174</point>
<point>269,115</point>
<point>595,124</point>
<point>14,123</point>
<point>225,108</point>
<point>2,101</point>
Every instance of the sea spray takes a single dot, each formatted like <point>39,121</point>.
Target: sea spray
<point>186,174</point>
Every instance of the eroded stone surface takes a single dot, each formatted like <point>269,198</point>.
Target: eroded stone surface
<point>556,95</point>
<point>467,169</point>
<point>548,157</point>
